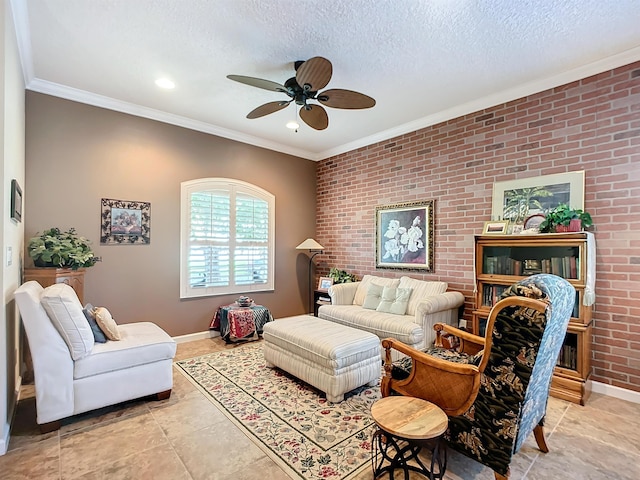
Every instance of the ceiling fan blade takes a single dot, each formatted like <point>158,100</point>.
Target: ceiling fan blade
<point>315,116</point>
<point>339,98</point>
<point>266,109</point>
<point>258,82</point>
<point>315,72</point>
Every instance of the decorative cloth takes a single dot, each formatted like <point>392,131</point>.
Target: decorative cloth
<point>228,315</point>
<point>590,281</point>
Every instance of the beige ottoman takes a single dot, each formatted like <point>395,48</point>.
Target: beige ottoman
<point>331,357</point>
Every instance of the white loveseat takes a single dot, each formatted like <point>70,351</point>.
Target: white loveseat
<point>72,373</point>
<point>428,303</point>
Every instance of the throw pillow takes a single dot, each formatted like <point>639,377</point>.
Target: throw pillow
<point>61,303</point>
<point>374,293</point>
<point>363,286</point>
<point>394,300</point>
<point>98,335</point>
<point>106,323</point>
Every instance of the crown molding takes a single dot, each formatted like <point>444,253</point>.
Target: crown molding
<point>625,58</point>
<point>101,101</point>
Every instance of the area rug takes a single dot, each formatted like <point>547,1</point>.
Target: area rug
<point>289,420</point>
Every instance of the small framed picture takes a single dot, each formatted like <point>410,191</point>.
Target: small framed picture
<point>324,283</point>
<point>496,228</point>
<point>16,201</point>
<point>533,221</point>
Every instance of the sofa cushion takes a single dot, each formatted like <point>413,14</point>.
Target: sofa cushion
<point>98,335</point>
<point>65,312</point>
<point>421,289</point>
<point>382,324</point>
<point>394,300</point>
<point>363,286</point>
<point>106,323</point>
<point>374,295</point>
<point>141,343</point>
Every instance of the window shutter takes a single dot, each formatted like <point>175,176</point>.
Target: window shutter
<point>227,238</point>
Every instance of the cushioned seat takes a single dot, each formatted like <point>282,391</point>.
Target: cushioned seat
<point>384,325</point>
<point>140,343</point>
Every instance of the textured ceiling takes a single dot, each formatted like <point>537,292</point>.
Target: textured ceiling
<point>423,61</point>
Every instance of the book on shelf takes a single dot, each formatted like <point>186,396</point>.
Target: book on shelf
<point>492,293</point>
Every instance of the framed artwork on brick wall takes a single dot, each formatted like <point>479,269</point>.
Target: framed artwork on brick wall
<point>516,200</point>
<point>404,236</point>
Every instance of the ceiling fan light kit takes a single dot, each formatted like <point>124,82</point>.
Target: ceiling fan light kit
<point>311,76</point>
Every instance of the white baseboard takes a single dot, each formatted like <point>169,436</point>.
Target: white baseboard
<point>190,337</point>
<point>616,392</point>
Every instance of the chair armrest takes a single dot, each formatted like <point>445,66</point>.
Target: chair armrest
<point>343,293</point>
<point>441,308</point>
<point>469,343</point>
<point>439,303</point>
<point>421,357</point>
<point>452,386</point>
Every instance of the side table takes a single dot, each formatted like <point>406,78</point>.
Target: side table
<point>405,426</point>
<point>237,323</point>
<point>320,297</point>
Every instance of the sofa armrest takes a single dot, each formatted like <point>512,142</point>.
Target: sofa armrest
<point>343,293</point>
<point>441,308</point>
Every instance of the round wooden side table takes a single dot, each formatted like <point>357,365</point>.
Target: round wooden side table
<point>405,426</point>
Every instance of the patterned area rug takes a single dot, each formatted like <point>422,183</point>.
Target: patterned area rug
<point>289,420</point>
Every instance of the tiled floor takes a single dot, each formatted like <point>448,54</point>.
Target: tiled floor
<point>186,437</point>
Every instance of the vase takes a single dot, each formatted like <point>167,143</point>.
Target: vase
<point>575,225</point>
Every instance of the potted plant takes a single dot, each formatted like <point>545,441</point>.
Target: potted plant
<point>565,219</point>
<point>341,276</point>
<point>55,248</point>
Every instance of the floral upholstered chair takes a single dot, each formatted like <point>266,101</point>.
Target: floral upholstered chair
<point>494,389</point>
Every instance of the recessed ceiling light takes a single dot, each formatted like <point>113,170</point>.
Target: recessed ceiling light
<point>293,125</point>
<point>165,83</point>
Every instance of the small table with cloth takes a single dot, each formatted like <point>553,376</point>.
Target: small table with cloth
<point>235,322</point>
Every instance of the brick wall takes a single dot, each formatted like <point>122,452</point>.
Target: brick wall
<point>591,125</point>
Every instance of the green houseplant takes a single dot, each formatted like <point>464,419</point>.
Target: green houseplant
<point>341,276</point>
<point>565,219</point>
<point>55,248</point>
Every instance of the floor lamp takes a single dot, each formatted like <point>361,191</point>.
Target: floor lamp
<point>314,248</point>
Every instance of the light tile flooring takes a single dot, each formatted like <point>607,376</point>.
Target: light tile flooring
<point>186,437</point>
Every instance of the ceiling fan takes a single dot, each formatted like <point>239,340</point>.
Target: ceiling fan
<point>311,76</point>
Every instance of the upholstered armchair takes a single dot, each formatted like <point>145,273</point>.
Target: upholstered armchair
<point>494,389</point>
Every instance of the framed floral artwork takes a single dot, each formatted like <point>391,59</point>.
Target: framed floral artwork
<point>125,222</point>
<point>404,236</point>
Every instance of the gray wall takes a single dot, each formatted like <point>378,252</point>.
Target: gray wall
<point>77,154</point>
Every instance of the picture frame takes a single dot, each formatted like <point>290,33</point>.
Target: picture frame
<point>324,283</point>
<point>533,221</point>
<point>125,222</point>
<point>16,201</point>
<point>405,236</point>
<point>498,227</point>
<point>516,200</point>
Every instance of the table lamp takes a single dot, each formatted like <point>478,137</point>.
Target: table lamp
<point>314,248</point>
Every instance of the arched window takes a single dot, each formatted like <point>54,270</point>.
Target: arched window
<point>227,234</point>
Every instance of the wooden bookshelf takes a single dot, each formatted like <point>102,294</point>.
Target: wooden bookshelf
<point>502,260</point>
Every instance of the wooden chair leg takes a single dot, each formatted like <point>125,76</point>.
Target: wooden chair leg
<point>538,432</point>
<point>163,395</point>
<point>502,477</point>
<point>50,426</point>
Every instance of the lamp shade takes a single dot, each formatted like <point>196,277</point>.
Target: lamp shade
<point>309,244</point>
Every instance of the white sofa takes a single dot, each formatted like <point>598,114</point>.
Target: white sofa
<point>428,303</point>
<point>72,373</point>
